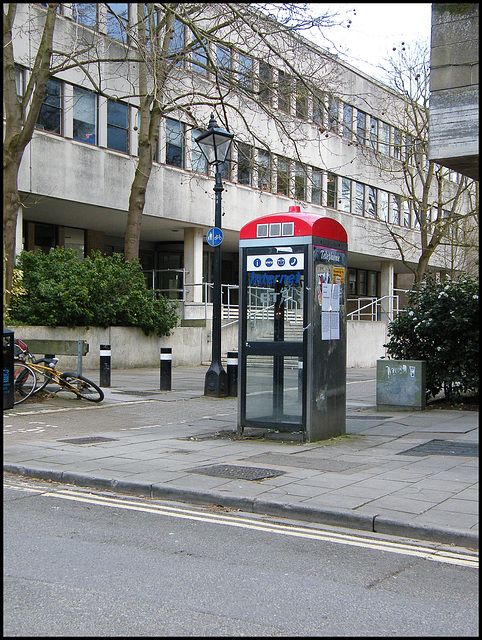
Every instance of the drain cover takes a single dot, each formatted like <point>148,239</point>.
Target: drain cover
<point>88,440</point>
<point>443,448</point>
<point>137,393</point>
<point>238,473</point>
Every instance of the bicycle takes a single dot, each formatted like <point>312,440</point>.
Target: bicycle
<point>45,374</point>
<point>24,382</point>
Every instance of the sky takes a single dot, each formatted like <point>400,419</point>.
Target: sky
<point>375,29</point>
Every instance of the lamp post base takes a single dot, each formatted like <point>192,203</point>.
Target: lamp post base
<point>216,382</point>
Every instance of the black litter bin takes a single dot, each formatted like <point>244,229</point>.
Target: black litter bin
<point>8,342</point>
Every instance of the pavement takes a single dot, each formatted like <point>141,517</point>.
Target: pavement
<point>405,473</point>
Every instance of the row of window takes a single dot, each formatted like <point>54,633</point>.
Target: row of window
<point>247,165</point>
<point>274,87</point>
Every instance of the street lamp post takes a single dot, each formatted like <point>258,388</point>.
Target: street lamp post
<point>215,144</point>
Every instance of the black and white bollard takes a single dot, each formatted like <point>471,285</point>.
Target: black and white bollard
<point>232,371</point>
<point>166,368</point>
<point>104,367</point>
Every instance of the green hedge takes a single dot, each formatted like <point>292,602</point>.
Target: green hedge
<point>441,326</point>
<point>60,289</point>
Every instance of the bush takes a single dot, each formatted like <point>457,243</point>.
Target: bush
<point>59,289</point>
<point>441,326</point>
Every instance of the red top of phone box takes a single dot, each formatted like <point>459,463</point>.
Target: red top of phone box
<point>305,224</point>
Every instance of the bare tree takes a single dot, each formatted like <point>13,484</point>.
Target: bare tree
<point>163,40</point>
<point>52,55</point>
<point>21,113</point>
<point>223,41</point>
<point>445,204</point>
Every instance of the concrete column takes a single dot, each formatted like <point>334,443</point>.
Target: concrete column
<point>387,279</point>
<point>193,262</point>
<point>19,233</point>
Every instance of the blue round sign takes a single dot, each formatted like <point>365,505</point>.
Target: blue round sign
<point>214,237</point>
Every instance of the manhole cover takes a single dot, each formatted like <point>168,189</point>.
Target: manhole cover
<point>238,473</point>
<point>88,440</point>
<point>137,393</point>
<point>443,448</point>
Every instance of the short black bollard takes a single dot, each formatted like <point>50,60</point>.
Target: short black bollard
<point>232,371</point>
<point>166,368</point>
<point>104,368</point>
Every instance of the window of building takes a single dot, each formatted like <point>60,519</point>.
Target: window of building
<point>373,133</point>
<point>416,217</point>
<point>176,44</point>
<point>409,156</point>
<point>318,110</point>
<point>397,144</point>
<point>383,205</point>
<point>117,126</point>
<point>223,62</point>
<point>331,190</point>
<point>85,13</point>
<point>155,147</point>
<point>384,138</point>
<point>316,186</point>
<point>361,127</point>
<point>264,170</point>
<point>198,159</point>
<point>245,164</point>
<point>50,116</point>
<point>372,284</point>
<point>406,213</point>
<point>300,181</point>
<point>396,205</point>
<point>345,195</point>
<point>347,121</point>
<point>85,115</point>
<point>283,177</point>
<point>117,20</point>
<point>265,82</point>
<point>45,237</point>
<point>361,282</point>
<point>245,71</point>
<point>75,239</point>
<point>372,202</point>
<point>352,282</point>
<point>199,58</point>
<point>174,143</point>
<point>225,167</point>
<point>333,114</point>
<point>284,91</point>
<point>301,100</point>
<point>360,199</point>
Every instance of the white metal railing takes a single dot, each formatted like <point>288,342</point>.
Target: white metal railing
<point>373,309</point>
<point>259,303</point>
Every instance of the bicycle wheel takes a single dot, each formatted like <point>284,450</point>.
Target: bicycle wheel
<point>24,382</point>
<point>82,387</point>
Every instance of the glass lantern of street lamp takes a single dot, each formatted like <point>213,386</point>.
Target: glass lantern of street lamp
<point>215,143</point>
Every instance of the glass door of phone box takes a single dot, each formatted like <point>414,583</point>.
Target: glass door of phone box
<point>273,338</point>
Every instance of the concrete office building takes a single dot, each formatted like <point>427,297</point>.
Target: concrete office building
<point>77,171</point>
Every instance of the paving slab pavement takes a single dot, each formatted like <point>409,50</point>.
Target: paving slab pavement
<point>411,474</point>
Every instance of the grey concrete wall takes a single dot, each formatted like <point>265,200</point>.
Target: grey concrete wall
<point>454,87</point>
<point>191,346</point>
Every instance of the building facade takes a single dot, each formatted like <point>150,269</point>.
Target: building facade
<point>339,153</point>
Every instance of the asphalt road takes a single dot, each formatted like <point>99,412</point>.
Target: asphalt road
<point>91,564</point>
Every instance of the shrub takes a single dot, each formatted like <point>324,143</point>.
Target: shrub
<point>441,326</point>
<point>59,289</point>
